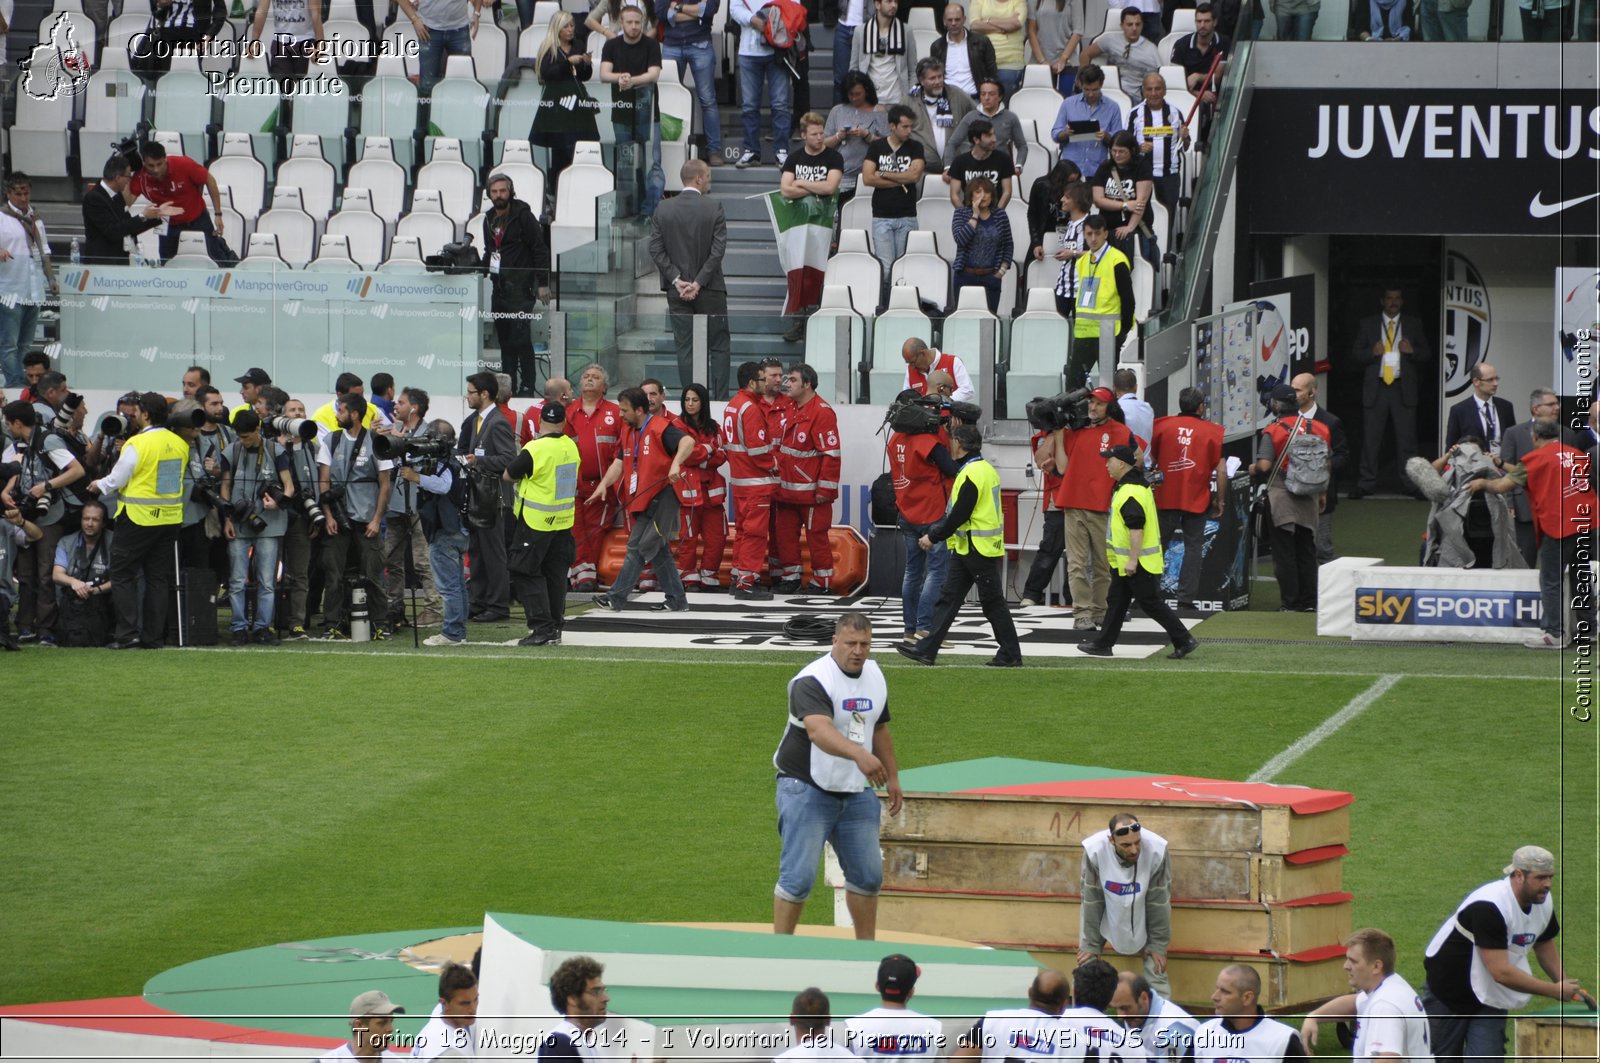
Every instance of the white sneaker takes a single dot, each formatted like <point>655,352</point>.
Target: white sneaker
<point>747,159</point>
<point>1545,641</point>
<point>442,639</point>
<point>1028,603</point>
<point>783,158</point>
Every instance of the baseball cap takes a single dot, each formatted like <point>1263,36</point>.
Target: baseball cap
<point>1285,393</point>
<point>553,413</point>
<point>1103,394</point>
<point>1532,858</point>
<point>1122,452</point>
<point>374,1002</point>
<point>897,975</point>
<point>255,376</point>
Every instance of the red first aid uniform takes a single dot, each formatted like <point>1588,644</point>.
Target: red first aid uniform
<point>646,463</point>
<point>1085,484</point>
<point>528,427</point>
<point>1186,449</point>
<point>1052,480</point>
<point>921,492</point>
<point>703,498</point>
<point>808,482</point>
<point>1558,490</point>
<point>778,411</point>
<point>596,434</point>
<point>918,380</point>
<point>752,479</point>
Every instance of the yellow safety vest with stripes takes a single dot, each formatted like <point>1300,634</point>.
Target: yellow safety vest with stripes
<point>1118,540</point>
<point>154,493</point>
<point>1096,297</point>
<point>547,498</point>
<point>984,529</point>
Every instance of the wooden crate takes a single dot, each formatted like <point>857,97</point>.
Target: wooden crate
<point>1054,870</point>
<point>1551,1037</point>
<point>1287,983</point>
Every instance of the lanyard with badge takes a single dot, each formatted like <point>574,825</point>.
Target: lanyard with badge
<point>856,729</point>
<point>499,234</point>
<point>633,477</point>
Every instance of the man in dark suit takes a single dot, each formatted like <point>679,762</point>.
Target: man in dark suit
<point>1481,414</point>
<point>487,443</point>
<point>1392,353</point>
<point>106,221</point>
<point>1305,390</point>
<point>688,235</point>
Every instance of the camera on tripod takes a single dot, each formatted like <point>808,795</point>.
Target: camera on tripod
<point>1070,409</point>
<point>423,453</point>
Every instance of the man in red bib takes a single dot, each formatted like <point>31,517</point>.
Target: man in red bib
<point>594,423</point>
<point>922,360</point>
<point>1187,449</point>
<point>752,479</point>
<point>808,482</point>
<point>1085,499</point>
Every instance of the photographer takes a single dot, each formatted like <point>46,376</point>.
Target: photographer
<point>201,544</point>
<point>921,469</point>
<point>15,533</point>
<point>46,471</point>
<point>1084,497</point>
<point>402,529</point>
<point>257,485</point>
<point>302,540</point>
<point>82,575</point>
<point>354,489</point>
<point>439,508</point>
<point>106,446</point>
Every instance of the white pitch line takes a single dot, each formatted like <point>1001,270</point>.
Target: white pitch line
<point>1358,704</point>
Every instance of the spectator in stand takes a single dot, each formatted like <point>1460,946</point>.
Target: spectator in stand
<point>1197,51</point>
<point>178,180</point>
<point>1055,33</point>
<point>815,170</point>
<point>1004,23</point>
<point>632,64</point>
<point>1298,18</point>
<point>1098,287</point>
<point>173,24</point>
<point>852,15</point>
<point>1047,206</point>
<point>1076,201</point>
<point>983,243</point>
<point>982,161</point>
<point>1386,21</point>
<point>1133,54</point>
<point>893,170</point>
<point>1158,128</point>
<point>1187,450</point>
<point>884,50</point>
<point>758,66</point>
<point>1122,188</point>
<point>687,41</point>
<point>563,68</point>
<point>296,37</point>
<point>603,23</point>
<point>852,126</point>
<point>26,279</point>
<point>1446,20</point>
<point>1009,136</point>
<point>1088,149</point>
<point>702,494</point>
<point>968,58</point>
<point>941,111</point>
<point>444,28</point>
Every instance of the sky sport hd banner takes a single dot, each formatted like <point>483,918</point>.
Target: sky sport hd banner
<point>1360,598</point>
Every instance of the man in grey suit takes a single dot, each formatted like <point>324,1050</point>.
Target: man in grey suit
<point>1543,405</point>
<point>688,235</point>
<point>487,443</point>
<point>1393,354</point>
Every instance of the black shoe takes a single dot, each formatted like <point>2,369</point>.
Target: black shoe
<point>797,331</point>
<point>540,640</point>
<point>998,661</point>
<point>1358,492</point>
<point>814,588</point>
<point>604,601</point>
<point>666,607</point>
<point>752,593</point>
<point>123,646</point>
<point>490,618</point>
<point>1180,652</point>
<point>1094,649</point>
<point>240,638</point>
<point>786,586</point>
<point>264,636</point>
<point>912,655</point>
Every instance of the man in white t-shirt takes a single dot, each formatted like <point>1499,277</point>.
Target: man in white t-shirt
<point>371,1027</point>
<point>1390,1020</point>
<point>892,1032</point>
<point>809,1018</point>
<point>452,1032</point>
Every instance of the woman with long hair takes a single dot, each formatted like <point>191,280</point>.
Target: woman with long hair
<point>854,124</point>
<point>1046,212</point>
<point>983,243</point>
<point>563,68</point>
<point>702,495</point>
<point>1122,189</point>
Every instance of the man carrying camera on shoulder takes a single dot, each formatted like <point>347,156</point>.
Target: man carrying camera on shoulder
<point>402,530</point>
<point>441,499</point>
<point>354,492</point>
<point>42,490</point>
<point>15,533</point>
<point>256,484</point>
<point>302,538</point>
<point>82,575</point>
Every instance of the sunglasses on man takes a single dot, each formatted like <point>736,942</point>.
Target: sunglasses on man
<point>1125,830</point>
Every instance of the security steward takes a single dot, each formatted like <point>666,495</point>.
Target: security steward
<point>542,548</point>
<point>972,529</point>
<point>1133,550</point>
<point>1098,287</point>
<point>148,477</point>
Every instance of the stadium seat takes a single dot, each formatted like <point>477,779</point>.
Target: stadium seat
<point>234,227</point>
<point>1037,104</point>
<point>455,182</point>
<point>170,141</point>
<point>83,30</point>
<point>253,64</point>
<point>122,30</point>
<point>1017,212</point>
<point>349,40</point>
<point>821,337</point>
<point>363,230</point>
<point>220,59</point>
<point>238,169</point>
<point>527,180</point>
<point>475,223</point>
<point>677,103</point>
<point>489,53</point>
<point>192,253</point>
<point>113,107</point>
<point>1038,76</point>
<point>1038,163</point>
<point>581,187</point>
<point>183,105</point>
<point>530,39</point>
<point>427,222</point>
<point>460,110</point>
<point>1113,23</point>
<point>288,221</point>
<point>389,109</point>
<point>328,116</point>
<point>962,330</point>
<point>382,177</point>
<point>405,256</point>
<point>1042,274</point>
<point>1144,287</point>
<point>1181,100</point>
<point>859,272</point>
<point>921,18</point>
<point>262,254</point>
<point>854,241</point>
<point>513,111</point>
<point>857,215</point>
<point>890,330</point>
<point>308,171</point>
<point>1112,92</point>
<point>400,39</point>
<point>924,268</point>
<point>333,255</point>
<point>935,214</point>
<point>1175,78</point>
<point>1182,20</point>
<point>1040,338</point>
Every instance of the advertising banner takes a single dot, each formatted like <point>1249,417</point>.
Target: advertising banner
<point>1359,598</point>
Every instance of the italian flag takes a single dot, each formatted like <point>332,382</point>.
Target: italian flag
<point>803,229</point>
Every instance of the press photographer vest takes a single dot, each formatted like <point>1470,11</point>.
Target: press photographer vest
<point>1122,923</point>
<point>1522,930</point>
<point>442,513</point>
<point>205,445</point>
<point>253,470</point>
<point>984,530</point>
<point>155,492</point>
<point>36,469</point>
<point>858,701</point>
<point>354,465</point>
<point>89,565</point>
<point>547,498</point>
<point>404,496</point>
<point>1119,540</point>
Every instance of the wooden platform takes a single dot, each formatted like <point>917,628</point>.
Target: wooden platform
<point>1567,1033</point>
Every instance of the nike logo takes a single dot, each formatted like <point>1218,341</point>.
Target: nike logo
<point>1539,209</point>
<point>1268,348</point>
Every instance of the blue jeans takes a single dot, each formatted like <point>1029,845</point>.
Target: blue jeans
<point>807,817</point>
<point>1010,81</point>
<point>843,37</point>
<point>649,543</point>
<point>525,13</point>
<point>445,551</point>
<point>441,43</point>
<point>1296,27</point>
<point>889,240</point>
<point>702,60</point>
<point>17,326</point>
<point>753,70</point>
<point>1470,1037</point>
<point>643,129</point>
<point>924,577</point>
<point>266,570</point>
<point>1386,21</point>
<point>1441,25</point>
<point>1558,558</point>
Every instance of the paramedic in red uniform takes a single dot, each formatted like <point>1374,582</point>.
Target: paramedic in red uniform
<point>702,494</point>
<point>1187,449</point>
<point>594,423</point>
<point>808,482</point>
<point>1085,500</point>
<point>752,478</point>
<point>920,467</point>
<point>921,360</point>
